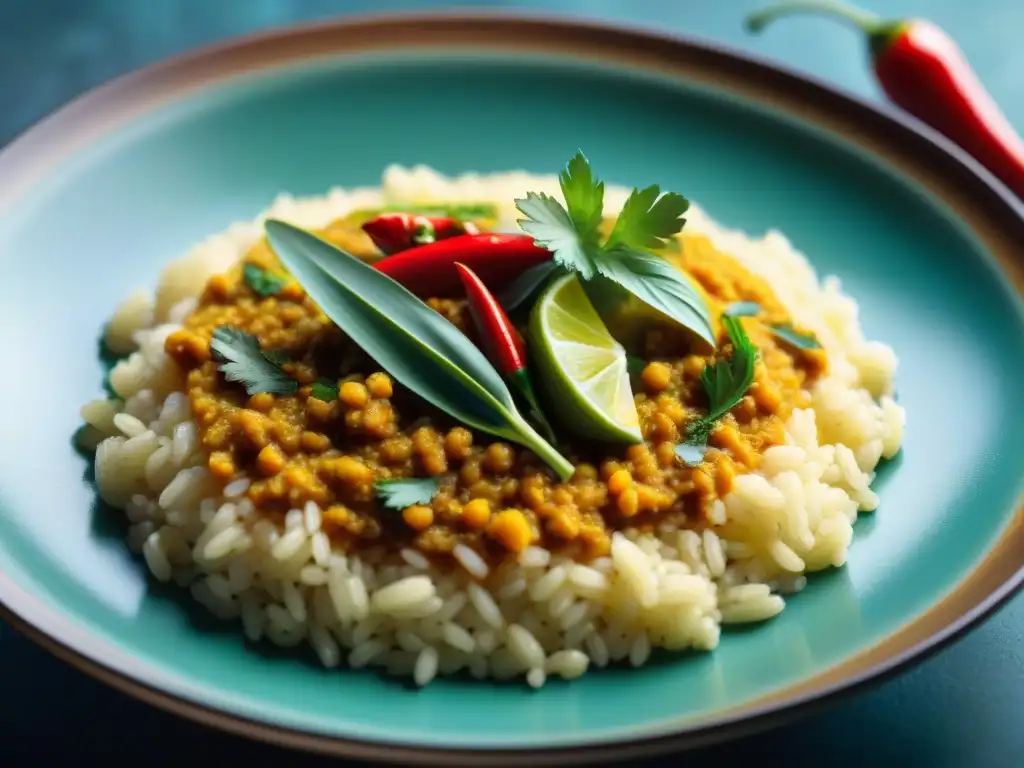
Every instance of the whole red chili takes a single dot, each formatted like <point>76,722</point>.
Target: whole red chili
<point>429,270</point>
<point>501,341</point>
<point>924,71</point>
<point>393,232</point>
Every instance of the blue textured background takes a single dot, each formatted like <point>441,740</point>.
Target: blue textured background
<point>962,707</point>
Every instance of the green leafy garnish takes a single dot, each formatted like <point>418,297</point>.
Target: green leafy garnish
<point>742,309</point>
<point>243,360</point>
<point>649,219</point>
<point>528,284</point>
<point>725,383</point>
<point>416,345</point>
<point>634,364</point>
<point>584,196</point>
<point>405,492</point>
<point>324,389</point>
<point>623,266</point>
<point>263,282</point>
<point>794,337</point>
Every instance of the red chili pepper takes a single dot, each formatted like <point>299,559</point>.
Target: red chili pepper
<point>502,343</point>
<point>924,71</point>
<point>429,270</point>
<point>393,232</point>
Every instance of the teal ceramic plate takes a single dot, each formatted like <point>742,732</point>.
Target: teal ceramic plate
<point>95,199</point>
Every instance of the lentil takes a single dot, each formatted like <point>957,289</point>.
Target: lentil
<point>494,497</point>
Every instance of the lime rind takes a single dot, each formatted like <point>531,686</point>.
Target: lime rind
<point>581,368</point>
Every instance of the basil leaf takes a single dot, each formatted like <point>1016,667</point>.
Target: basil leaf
<point>742,309</point>
<point>412,342</point>
<point>527,284</point>
<point>793,337</point>
<point>660,285</point>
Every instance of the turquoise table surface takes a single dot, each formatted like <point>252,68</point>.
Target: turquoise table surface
<point>962,707</point>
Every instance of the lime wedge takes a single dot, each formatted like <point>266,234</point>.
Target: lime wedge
<point>580,367</point>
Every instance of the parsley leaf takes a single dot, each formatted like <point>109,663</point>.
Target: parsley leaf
<point>794,337</point>
<point>648,219</point>
<point>659,284</point>
<point>725,382</point>
<point>263,282</point>
<point>400,493</point>
<point>243,361</point>
<point>553,228</point>
<point>325,390</point>
<point>584,197</point>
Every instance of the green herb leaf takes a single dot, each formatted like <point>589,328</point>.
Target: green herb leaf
<point>552,227</point>
<point>726,381</point>
<point>635,365</point>
<point>692,454</point>
<point>243,361</point>
<point>584,197</point>
<point>263,282</point>
<point>742,309</point>
<point>275,356</point>
<point>648,219</point>
<point>660,285</point>
<point>324,389</point>
<point>405,492</point>
<point>794,337</point>
<point>527,284</point>
<point>412,342</point>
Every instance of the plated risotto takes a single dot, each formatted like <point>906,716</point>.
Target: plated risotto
<point>504,424</point>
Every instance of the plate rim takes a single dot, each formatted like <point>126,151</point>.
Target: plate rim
<point>23,611</point>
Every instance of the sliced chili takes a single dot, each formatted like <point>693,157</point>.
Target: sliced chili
<point>429,270</point>
<point>394,232</point>
<point>501,342</point>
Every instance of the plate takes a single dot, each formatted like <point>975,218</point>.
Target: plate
<point>97,197</point>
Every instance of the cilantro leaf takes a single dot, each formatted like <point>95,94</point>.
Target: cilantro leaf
<point>794,337</point>
<point>242,360</point>
<point>648,219</point>
<point>659,284</point>
<point>742,309</point>
<point>553,228</point>
<point>726,381</point>
<point>325,390</point>
<point>584,197</point>
<point>400,493</point>
<point>635,365</point>
<point>263,282</point>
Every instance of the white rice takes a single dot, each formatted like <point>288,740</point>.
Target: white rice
<point>540,615</point>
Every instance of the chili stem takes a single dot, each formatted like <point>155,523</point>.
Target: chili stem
<point>867,22</point>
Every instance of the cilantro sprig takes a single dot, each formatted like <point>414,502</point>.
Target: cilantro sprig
<point>242,360</point>
<point>648,220</point>
<point>404,492</point>
<point>263,282</point>
<point>725,382</point>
